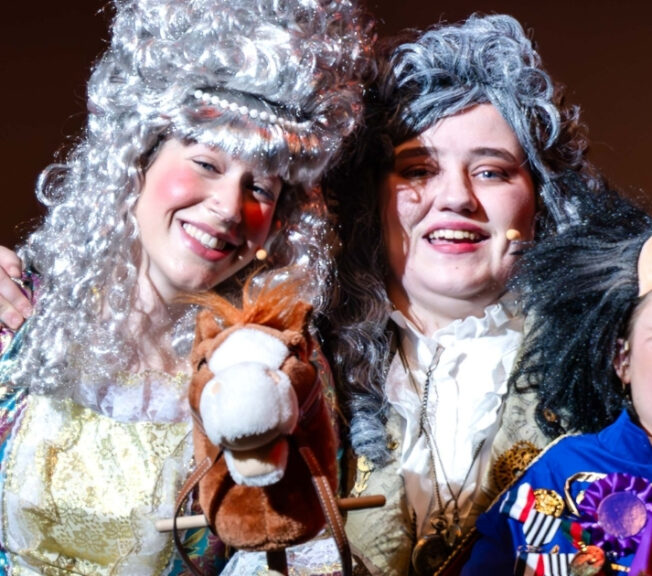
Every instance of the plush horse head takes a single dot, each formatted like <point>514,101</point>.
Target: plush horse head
<point>256,395</point>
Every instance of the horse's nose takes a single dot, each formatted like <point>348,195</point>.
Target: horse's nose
<point>247,405</point>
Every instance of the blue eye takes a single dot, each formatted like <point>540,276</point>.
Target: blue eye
<point>493,174</point>
<point>262,193</point>
<point>205,165</point>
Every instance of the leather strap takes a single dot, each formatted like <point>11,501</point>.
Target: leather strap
<point>309,406</point>
<point>329,506</point>
<point>323,489</point>
<point>188,486</point>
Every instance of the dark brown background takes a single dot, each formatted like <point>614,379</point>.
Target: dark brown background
<point>601,50</point>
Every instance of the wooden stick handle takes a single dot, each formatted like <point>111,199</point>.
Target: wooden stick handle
<point>373,501</point>
<point>183,523</point>
<point>199,521</point>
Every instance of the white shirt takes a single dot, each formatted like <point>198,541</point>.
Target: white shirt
<point>466,392</point>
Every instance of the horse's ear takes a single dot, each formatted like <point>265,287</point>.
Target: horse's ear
<point>206,327</point>
<point>303,314</point>
<point>298,330</point>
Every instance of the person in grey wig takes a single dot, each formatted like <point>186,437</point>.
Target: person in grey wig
<point>467,151</point>
<point>209,124</point>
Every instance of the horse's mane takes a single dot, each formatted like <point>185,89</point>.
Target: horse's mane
<point>277,306</point>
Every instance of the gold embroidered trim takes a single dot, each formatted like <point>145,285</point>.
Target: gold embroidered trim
<point>364,469</point>
<point>131,379</point>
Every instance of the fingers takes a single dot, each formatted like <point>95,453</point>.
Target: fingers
<point>15,306</point>
<point>10,263</point>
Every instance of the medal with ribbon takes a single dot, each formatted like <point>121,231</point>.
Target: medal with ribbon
<point>539,511</point>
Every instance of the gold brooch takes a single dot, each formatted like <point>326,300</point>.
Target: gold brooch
<point>548,502</point>
<point>513,462</point>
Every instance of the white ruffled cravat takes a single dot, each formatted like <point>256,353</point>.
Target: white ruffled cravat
<point>467,388</point>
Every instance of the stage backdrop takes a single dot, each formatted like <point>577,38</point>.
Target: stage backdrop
<point>600,49</point>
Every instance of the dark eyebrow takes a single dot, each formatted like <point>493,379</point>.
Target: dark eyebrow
<point>414,152</point>
<point>497,153</point>
<point>418,151</point>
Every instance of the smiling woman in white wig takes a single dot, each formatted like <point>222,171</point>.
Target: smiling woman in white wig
<point>209,124</point>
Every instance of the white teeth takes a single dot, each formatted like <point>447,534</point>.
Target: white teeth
<point>204,238</point>
<point>443,234</point>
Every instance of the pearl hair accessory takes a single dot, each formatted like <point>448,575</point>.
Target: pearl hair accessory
<point>253,113</point>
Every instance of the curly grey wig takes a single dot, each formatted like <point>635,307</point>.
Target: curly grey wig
<point>427,77</point>
<point>278,83</point>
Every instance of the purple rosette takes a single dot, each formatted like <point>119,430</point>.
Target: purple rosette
<point>615,511</point>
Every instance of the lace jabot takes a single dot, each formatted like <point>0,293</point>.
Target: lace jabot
<point>468,384</point>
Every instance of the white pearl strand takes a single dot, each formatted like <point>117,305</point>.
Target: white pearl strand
<point>224,104</point>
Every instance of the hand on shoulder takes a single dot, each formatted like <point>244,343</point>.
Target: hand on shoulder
<point>15,305</point>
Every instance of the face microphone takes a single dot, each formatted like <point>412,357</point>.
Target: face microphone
<point>513,235</point>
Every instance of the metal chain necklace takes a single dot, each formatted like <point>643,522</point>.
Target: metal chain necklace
<point>432,549</point>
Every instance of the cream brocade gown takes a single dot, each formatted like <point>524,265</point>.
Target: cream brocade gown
<point>81,491</point>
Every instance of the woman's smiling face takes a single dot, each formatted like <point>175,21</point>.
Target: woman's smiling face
<point>446,206</point>
<point>201,215</point>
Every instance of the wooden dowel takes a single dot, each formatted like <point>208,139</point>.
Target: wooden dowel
<point>344,504</point>
<point>373,501</point>
<point>183,523</point>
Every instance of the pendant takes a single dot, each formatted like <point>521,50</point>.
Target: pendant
<point>429,553</point>
<point>453,534</point>
<point>588,562</point>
